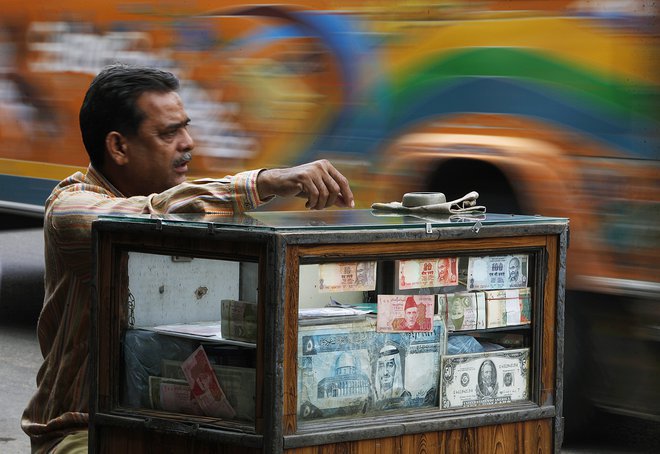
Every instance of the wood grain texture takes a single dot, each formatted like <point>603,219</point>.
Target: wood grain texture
<point>515,438</point>
<point>549,333</point>
<point>428,248</point>
<point>289,418</point>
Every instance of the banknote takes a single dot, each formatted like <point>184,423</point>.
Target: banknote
<point>508,307</point>
<point>349,369</point>
<point>172,395</point>
<point>482,379</point>
<point>238,384</point>
<point>425,273</point>
<point>238,320</point>
<point>497,272</point>
<point>399,313</point>
<point>461,311</point>
<point>205,386</point>
<point>347,276</point>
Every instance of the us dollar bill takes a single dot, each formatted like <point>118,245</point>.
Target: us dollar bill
<point>483,379</point>
<point>497,272</point>
<point>347,276</point>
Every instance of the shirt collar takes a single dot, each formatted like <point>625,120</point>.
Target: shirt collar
<point>96,177</point>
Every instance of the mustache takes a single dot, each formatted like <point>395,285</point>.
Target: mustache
<point>185,157</point>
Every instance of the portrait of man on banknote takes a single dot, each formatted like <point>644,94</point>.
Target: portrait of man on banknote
<point>487,381</point>
<point>447,271</point>
<point>410,321</point>
<point>389,387</point>
<point>516,277</point>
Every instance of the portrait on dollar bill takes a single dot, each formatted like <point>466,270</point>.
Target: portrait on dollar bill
<point>483,379</point>
<point>497,272</point>
<point>399,313</point>
<point>347,276</point>
<point>349,369</point>
<point>427,273</point>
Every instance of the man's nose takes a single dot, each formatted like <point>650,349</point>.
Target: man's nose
<point>187,142</point>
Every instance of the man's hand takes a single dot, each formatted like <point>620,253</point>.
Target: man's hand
<point>319,182</point>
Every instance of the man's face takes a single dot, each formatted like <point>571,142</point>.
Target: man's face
<point>156,158</point>
<point>457,309</point>
<point>487,374</point>
<point>361,273</point>
<point>411,316</point>
<point>514,269</point>
<point>386,372</point>
<point>442,269</point>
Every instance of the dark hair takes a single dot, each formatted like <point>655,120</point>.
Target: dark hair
<point>110,104</point>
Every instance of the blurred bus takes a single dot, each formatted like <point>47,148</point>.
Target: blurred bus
<point>543,107</point>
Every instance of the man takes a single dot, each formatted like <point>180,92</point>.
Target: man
<point>487,382</point>
<point>389,379</point>
<point>516,278</point>
<point>409,321</point>
<point>135,130</point>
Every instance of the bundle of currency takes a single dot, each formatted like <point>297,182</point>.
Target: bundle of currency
<point>483,379</point>
<point>172,395</point>
<point>238,384</point>
<point>205,386</point>
<point>508,307</point>
<point>400,313</point>
<point>425,273</point>
<point>349,369</point>
<point>497,272</point>
<point>347,277</point>
<point>239,320</point>
<point>462,310</point>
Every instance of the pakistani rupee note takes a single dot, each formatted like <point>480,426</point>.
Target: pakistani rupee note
<point>205,386</point>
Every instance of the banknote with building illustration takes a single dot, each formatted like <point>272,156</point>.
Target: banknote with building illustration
<point>483,379</point>
<point>349,369</point>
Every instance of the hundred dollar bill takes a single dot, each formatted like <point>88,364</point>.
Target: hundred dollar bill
<point>238,320</point>
<point>425,273</point>
<point>172,395</point>
<point>347,276</point>
<point>238,383</point>
<point>349,369</point>
<point>205,386</point>
<point>497,272</point>
<point>482,379</point>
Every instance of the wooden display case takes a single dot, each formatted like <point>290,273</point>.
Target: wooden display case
<point>180,295</point>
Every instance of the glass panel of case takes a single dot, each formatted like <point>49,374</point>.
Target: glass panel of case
<point>414,334</point>
<point>189,347</point>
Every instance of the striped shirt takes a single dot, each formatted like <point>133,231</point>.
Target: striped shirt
<point>60,405</point>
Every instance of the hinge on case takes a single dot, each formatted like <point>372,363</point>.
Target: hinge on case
<point>429,227</point>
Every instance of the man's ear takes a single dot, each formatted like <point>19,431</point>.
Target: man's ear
<point>115,145</point>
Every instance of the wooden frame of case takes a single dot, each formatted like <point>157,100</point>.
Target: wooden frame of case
<point>534,425</point>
